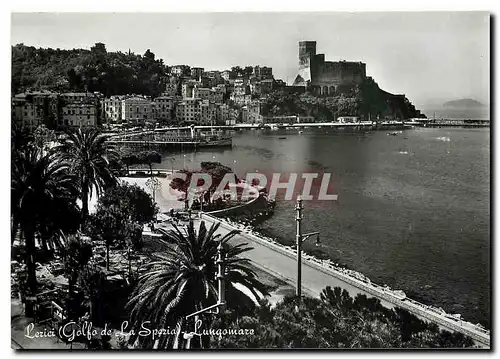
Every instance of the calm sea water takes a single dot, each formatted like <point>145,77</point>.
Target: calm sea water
<point>413,210</point>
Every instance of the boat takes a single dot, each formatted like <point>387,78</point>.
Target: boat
<point>281,138</point>
<point>220,142</point>
<point>392,133</point>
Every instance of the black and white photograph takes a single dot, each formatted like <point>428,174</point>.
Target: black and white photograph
<point>250,180</point>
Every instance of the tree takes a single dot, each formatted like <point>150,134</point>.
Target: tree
<point>120,215</point>
<point>39,185</point>
<point>43,135</point>
<point>76,254</point>
<point>128,158</point>
<point>148,157</point>
<point>183,280</point>
<point>334,320</point>
<point>20,138</point>
<point>135,204</point>
<point>111,73</point>
<point>247,71</point>
<point>92,281</point>
<point>89,156</point>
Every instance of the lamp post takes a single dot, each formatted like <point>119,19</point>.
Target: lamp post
<point>201,200</point>
<point>172,160</point>
<point>300,238</point>
<point>217,308</point>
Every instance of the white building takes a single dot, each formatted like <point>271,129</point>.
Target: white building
<point>225,75</point>
<point>137,110</point>
<point>113,109</point>
<point>188,88</point>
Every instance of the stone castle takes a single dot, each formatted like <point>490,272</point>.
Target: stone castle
<point>326,77</point>
<point>330,78</point>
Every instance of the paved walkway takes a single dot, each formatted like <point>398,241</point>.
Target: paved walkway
<point>285,267</point>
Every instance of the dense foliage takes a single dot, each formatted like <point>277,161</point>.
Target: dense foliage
<point>111,73</point>
<point>120,215</point>
<point>335,320</point>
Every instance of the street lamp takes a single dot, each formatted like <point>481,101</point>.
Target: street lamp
<point>217,308</point>
<point>202,197</point>
<point>172,160</point>
<point>300,239</point>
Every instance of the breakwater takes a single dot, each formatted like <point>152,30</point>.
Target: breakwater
<point>326,272</point>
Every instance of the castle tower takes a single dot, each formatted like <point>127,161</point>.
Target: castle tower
<point>307,51</point>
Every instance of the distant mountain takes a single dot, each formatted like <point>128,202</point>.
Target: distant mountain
<point>463,103</point>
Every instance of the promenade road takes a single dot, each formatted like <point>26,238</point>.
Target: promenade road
<point>283,264</point>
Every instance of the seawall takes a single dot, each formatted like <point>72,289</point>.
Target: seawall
<point>317,274</point>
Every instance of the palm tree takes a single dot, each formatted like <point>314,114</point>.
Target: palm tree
<point>90,156</point>
<point>40,184</point>
<point>183,280</point>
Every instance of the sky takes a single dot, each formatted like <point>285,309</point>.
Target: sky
<point>432,57</point>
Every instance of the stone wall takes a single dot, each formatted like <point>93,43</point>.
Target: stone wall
<point>338,73</point>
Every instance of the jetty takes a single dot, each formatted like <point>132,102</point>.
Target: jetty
<point>446,122</point>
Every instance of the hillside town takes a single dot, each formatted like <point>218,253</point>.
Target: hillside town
<point>323,91</point>
<point>191,96</point>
